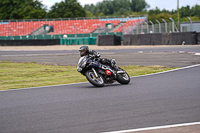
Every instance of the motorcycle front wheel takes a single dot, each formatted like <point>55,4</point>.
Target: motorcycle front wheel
<point>123,78</point>
<point>96,81</point>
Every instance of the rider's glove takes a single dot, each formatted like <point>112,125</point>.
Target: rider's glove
<point>97,55</point>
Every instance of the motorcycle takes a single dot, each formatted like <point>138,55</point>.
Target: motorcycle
<point>99,74</point>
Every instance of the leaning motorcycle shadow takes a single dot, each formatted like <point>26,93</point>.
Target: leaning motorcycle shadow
<point>89,86</point>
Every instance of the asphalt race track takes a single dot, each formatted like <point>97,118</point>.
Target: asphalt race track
<point>148,101</point>
<point>154,100</point>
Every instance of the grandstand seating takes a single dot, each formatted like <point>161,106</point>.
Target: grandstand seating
<point>61,26</point>
<point>131,22</point>
<point>82,26</point>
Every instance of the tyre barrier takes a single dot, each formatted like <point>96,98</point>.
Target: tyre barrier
<point>33,42</point>
<point>108,40</point>
<point>181,38</point>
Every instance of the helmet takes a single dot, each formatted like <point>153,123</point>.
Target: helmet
<point>83,50</point>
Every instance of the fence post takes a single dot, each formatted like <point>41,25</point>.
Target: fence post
<point>136,27</point>
<point>190,23</point>
<point>172,24</point>
<point>123,29</point>
<point>141,28</point>
<point>131,28</point>
<point>127,29</point>
<point>165,25</point>
<point>147,26</point>
<point>152,26</point>
<point>159,26</point>
<point>98,29</point>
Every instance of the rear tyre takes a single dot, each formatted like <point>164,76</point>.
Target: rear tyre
<point>123,78</point>
<point>96,81</point>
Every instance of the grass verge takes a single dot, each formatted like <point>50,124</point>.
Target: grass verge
<point>26,75</point>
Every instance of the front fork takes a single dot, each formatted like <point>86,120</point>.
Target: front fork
<point>95,73</point>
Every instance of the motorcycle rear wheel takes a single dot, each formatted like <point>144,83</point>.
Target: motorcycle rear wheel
<point>96,81</point>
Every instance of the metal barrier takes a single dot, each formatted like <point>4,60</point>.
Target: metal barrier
<point>78,41</point>
<point>145,28</point>
<point>159,27</point>
<point>181,38</point>
<point>35,37</point>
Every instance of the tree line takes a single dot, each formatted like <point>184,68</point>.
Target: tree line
<point>34,9</point>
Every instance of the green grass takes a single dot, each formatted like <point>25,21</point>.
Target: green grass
<point>25,75</point>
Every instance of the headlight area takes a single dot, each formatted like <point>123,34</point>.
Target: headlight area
<point>81,65</point>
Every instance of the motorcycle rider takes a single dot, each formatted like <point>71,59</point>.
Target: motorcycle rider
<point>84,50</point>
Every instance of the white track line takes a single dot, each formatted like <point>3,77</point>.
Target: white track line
<point>87,82</point>
<point>42,87</point>
<point>167,71</point>
<point>154,128</point>
<point>38,54</point>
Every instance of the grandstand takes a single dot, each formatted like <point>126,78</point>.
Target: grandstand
<point>129,23</point>
<point>58,27</point>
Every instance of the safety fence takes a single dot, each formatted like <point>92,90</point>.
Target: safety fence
<point>56,28</point>
<point>142,27</point>
<point>145,28</point>
<point>190,26</point>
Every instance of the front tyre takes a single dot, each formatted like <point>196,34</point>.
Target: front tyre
<point>96,81</point>
<point>123,78</point>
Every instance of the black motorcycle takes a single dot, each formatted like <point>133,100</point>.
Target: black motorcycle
<point>99,74</point>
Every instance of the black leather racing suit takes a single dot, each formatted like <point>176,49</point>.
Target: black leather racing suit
<point>105,61</point>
